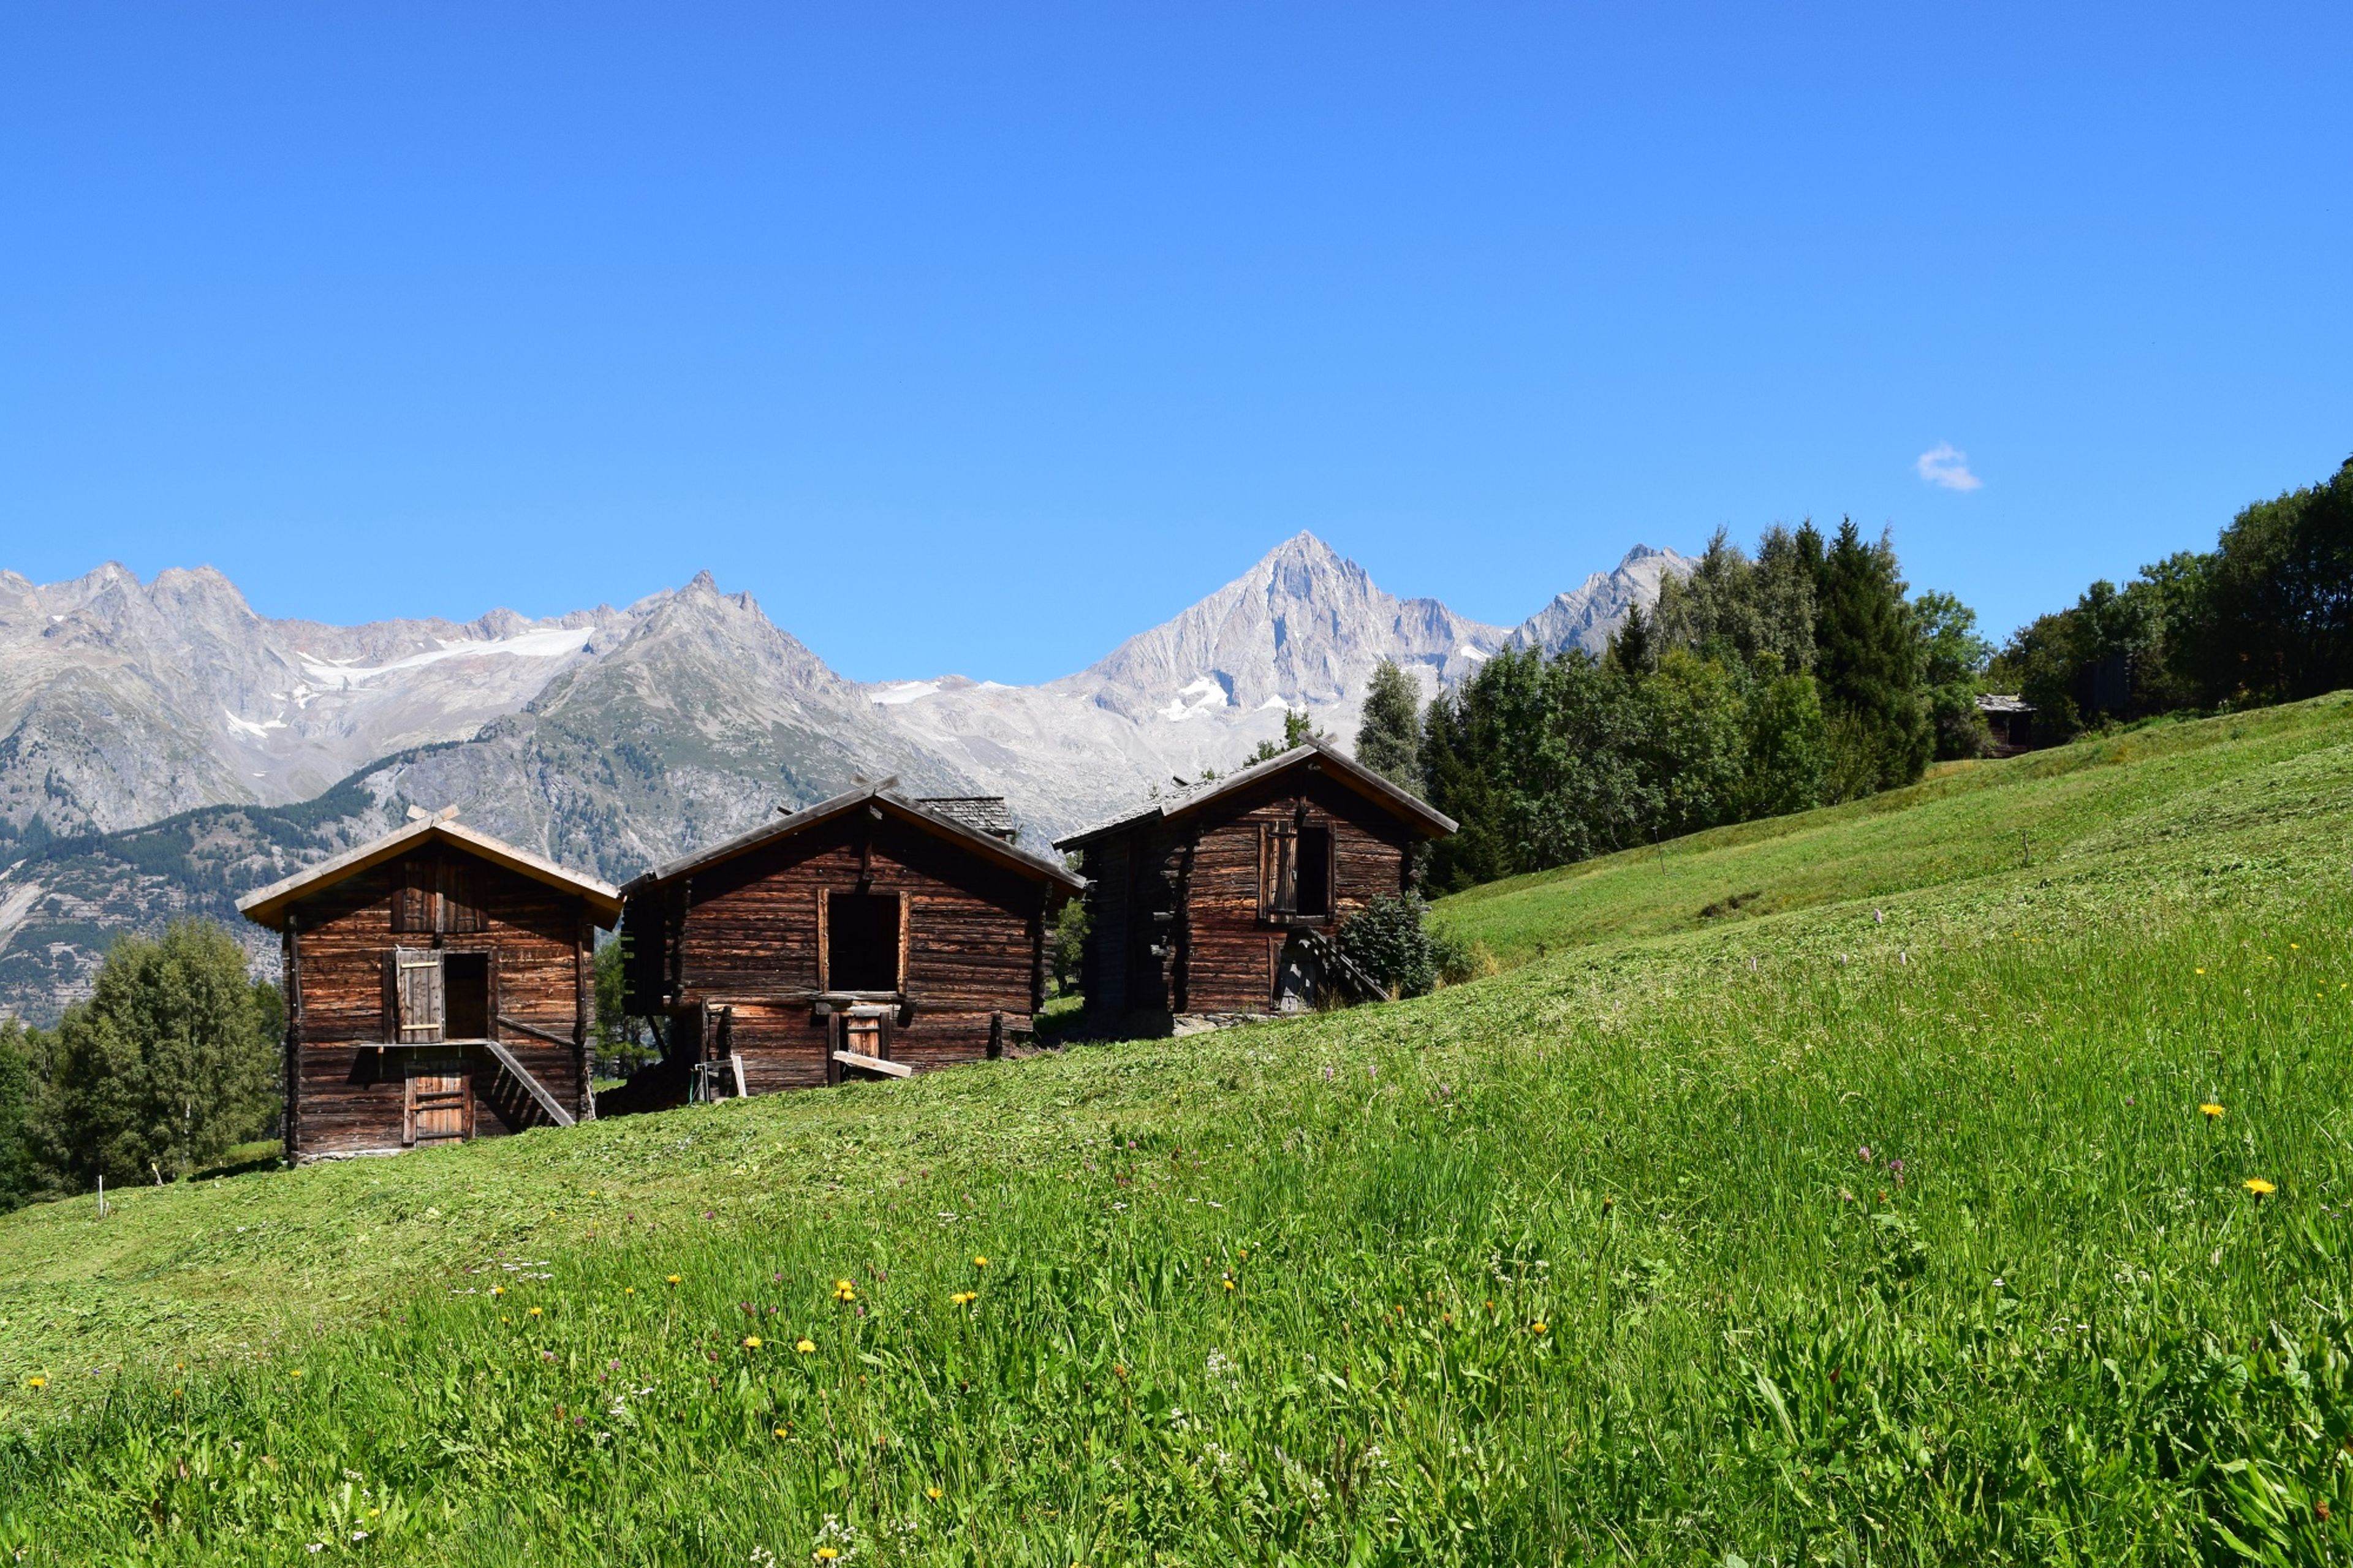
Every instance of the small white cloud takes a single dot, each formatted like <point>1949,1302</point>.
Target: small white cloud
<point>1945,469</point>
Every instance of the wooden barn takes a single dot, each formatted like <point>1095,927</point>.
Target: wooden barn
<point>1223,900</point>
<point>872,935</point>
<point>440,986</point>
<point>2010,718</point>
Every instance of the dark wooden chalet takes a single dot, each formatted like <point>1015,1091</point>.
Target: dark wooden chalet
<point>2011,721</point>
<point>870,934</point>
<point>440,986</point>
<point>1223,900</point>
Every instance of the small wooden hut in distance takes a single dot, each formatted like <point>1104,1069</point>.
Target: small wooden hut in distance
<point>2010,718</point>
<point>1223,900</point>
<point>440,986</point>
<point>870,934</point>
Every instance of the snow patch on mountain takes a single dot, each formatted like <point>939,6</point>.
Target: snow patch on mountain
<point>556,642</point>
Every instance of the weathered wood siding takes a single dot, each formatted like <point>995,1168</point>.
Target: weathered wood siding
<point>348,1091</point>
<point>1229,948</point>
<point>1218,952</point>
<point>747,946</point>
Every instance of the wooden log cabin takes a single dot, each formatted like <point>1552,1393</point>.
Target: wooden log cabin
<point>871,935</point>
<point>440,986</point>
<point>1222,901</point>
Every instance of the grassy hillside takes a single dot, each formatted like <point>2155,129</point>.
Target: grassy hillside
<point>2059,812</point>
<point>1884,1227</point>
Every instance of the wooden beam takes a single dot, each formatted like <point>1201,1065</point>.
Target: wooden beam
<point>521,1027</point>
<point>873,1064</point>
<point>539,1091</point>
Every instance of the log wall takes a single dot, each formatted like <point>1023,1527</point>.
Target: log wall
<point>348,1090</point>
<point>746,944</point>
<point>1218,954</point>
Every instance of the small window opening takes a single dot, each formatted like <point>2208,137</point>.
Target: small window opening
<point>862,941</point>
<point>467,979</point>
<point>1315,871</point>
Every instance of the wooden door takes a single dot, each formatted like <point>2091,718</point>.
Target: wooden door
<point>419,999</point>
<point>440,1104</point>
<point>867,1035</point>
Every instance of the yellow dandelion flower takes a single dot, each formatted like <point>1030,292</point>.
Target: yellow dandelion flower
<point>671,1277</point>
<point>932,1493</point>
<point>750,1341</point>
<point>37,1382</point>
<point>2202,970</point>
<point>964,1298</point>
<point>592,1192</point>
<point>784,1431</point>
<point>2211,1111</point>
<point>980,1263</point>
<point>827,1554</point>
<point>296,1372</point>
<point>806,1347</point>
<point>629,1289</point>
<point>534,1311</point>
<point>2260,1188</point>
<point>498,1289</point>
<point>1537,1327</point>
<point>1229,1281</point>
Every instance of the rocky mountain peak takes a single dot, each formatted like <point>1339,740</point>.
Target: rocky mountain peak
<point>1586,616</point>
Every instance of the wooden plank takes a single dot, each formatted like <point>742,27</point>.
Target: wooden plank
<point>519,1027</point>
<point>737,1062</point>
<point>874,1064</point>
<point>906,908</point>
<point>547,1102</point>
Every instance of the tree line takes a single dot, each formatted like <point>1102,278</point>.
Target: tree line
<point>2264,617</point>
<point>1808,673</point>
<point>1763,684</point>
<point>172,1062</point>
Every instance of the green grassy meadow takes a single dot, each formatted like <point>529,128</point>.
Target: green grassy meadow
<point>1873,1220</point>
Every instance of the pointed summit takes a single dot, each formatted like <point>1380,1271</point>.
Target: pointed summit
<point>1304,626</point>
<point>1587,614</point>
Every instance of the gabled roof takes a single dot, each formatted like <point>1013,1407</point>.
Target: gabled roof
<point>268,906</point>
<point>1335,764</point>
<point>883,797</point>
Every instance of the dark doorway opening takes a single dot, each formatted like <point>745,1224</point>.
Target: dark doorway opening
<point>467,979</point>
<point>1315,871</point>
<point>862,940</point>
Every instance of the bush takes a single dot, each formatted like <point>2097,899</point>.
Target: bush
<point>1067,948</point>
<point>1389,939</point>
<point>1960,726</point>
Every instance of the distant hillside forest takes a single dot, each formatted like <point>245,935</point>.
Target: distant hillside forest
<point>1809,674</point>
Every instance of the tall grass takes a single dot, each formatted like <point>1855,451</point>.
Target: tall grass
<point>1889,1239</point>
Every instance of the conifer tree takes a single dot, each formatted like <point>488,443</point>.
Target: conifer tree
<point>1867,657</point>
<point>1389,737</point>
<point>1631,652</point>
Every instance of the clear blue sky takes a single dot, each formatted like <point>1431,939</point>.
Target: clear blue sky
<point>978,336</point>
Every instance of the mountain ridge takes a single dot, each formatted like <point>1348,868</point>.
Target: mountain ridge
<point>157,739</point>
